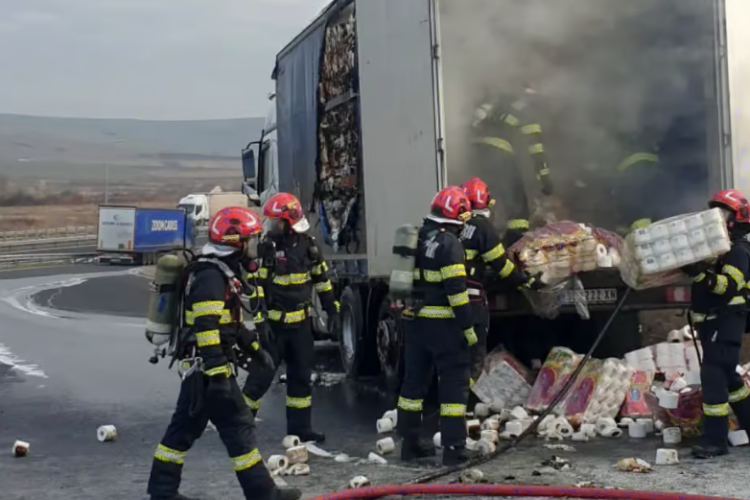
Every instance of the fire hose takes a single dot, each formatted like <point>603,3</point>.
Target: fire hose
<point>507,490</point>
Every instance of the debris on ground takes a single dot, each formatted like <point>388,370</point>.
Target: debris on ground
<point>557,463</point>
<point>471,476</point>
<point>106,433</point>
<point>633,465</point>
<point>20,449</point>
<point>374,458</point>
<point>359,482</point>
<point>297,455</point>
<point>317,450</point>
<point>560,447</point>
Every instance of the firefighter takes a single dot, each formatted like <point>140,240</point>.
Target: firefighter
<point>483,247</point>
<point>209,390</point>
<point>719,311</point>
<point>496,130</point>
<point>291,266</point>
<point>439,332</point>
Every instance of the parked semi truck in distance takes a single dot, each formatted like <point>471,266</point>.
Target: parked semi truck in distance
<point>131,235</point>
<point>372,104</point>
<point>200,207</point>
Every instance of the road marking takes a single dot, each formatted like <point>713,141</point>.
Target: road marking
<point>15,363</point>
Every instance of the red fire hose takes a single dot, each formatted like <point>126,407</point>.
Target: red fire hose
<point>506,490</point>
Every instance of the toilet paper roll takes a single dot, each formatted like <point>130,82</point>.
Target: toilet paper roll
<point>471,476</point>
<point>589,430</point>
<point>668,400</point>
<point>611,432</point>
<point>471,445</point>
<point>106,433</point>
<point>473,425</point>
<point>514,427</point>
<point>667,261</point>
<point>701,250</point>
<point>384,425</point>
<point>674,336</point>
<point>712,216</point>
<point>437,440</point>
<point>518,413</point>
<point>482,410</point>
<point>625,422</point>
<point>385,446</point>
<point>605,423</point>
<point>276,462</point>
<point>290,442</point>
<point>679,242</point>
<point>299,470</point>
<point>738,438</point>
<point>602,256</point>
<point>359,482</point>
<point>693,377</point>
<point>485,447</point>
<point>662,247</point>
<point>678,384</point>
<point>563,427</point>
<point>20,449</point>
<point>658,231</point>
<point>719,245</point>
<point>650,265</point>
<point>374,458</point>
<point>508,435</point>
<point>580,436</point>
<point>491,436</point>
<point>685,256</point>
<point>643,251</point>
<point>491,424</point>
<point>648,423</point>
<point>677,227</point>
<point>637,430</point>
<point>641,236</point>
<point>393,415</point>
<point>696,237</point>
<point>297,455</point>
<point>665,456</point>
<point>694,222</point>
<point>659,425</point>
<point>545,423</point>
<point>671,435</point>
<point>615,256</point>
<point>497,407</point>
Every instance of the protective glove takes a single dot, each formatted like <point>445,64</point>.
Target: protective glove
<point>694,270</point>
<point>334,322</point>
<point>471,336</point>
<point>532,284</point>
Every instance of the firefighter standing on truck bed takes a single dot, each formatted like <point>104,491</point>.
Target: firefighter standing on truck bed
<point>205,351</point>
<point>291,267</point>
<point>483,248</point>
<point>719,311</point>
<point>496,128</point>
<point>439,331</point>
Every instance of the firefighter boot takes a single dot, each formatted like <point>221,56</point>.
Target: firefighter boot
<point>287,494</point>
<point>457,455</point>
<point>715,430</point>
<point>178,496</point>
<point>414,449</point>
<point>311,435</point>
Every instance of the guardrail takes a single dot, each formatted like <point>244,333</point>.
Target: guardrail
<point>9,261</point>
<point>15,246</point>
<point>44,234</point>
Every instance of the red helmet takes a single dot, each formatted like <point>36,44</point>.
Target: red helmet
<point>734,202</point>
<point>233,226</point>
<point>478,193</point>
<point>450,205</point>
<point>285,206</point>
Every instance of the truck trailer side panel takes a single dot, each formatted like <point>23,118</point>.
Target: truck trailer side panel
<point>116,230</point>
<point>159,230</point>
<point>397,102</point>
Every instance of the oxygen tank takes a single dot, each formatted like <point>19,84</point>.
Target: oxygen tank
<point>404,256</point>
<point>162,302</point>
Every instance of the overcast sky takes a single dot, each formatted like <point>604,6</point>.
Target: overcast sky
<point>153,59</point>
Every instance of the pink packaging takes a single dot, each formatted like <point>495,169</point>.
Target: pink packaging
<point>636,405</point>
<point>579,397</point>
<point>555,371</point>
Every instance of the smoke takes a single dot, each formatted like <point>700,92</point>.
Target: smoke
<point>614,78</point>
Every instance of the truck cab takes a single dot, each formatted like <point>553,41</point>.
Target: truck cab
<point>196,208</point>
<point>262,177</point>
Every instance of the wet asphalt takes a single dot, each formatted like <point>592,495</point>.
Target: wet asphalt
<point>73,357</point>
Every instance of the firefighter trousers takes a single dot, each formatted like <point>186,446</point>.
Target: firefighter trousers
<point>480,312</point>
<point>294,345</point>
<point>722,386</point>
<point>236,427</point>
<point>440,344</point>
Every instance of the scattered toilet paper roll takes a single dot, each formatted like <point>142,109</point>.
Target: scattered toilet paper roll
<point>589,430</point>
<point>508,435</point>
<point>580,436</point>
<point>106,433</point>
<point>482,410</point>
<point>637,430</point>
<point>393,415</point>
<point>603,259</point>
<point>611,432</point>
<point>738,438</point>
<point>384,425</point>
<point>674,336</point>
<point>659,425</point>
<point>497,407</point>
<point>20,449</point>
<point>665,456</point>
<point>437,440</point>
<point>693,377</point>
<point>359,482</point>
<point>342,458</point>
<point>471,476</point>
<point>276,462</point>
<point>374,458</point>
<point>545,423</point>
<point>563,427</point>
<point>668,400</point>
<point>471,445</point>
<point>298,470</point>
<point>297,455</point>
<point>625,422</point>
<point>290,442</point>
<point>678,384</point>
<point>491,425</point>
<point>385,446</point>
<point>490,435</point>
<point>514,427</point>
<point>518,413</point>
<point>672,435</point>
<point>485,447</point>
<point>648,423</point>
<point>605,423</point>
<point>473,425</point>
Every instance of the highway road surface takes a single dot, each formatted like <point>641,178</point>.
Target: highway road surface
<point>73,357</point>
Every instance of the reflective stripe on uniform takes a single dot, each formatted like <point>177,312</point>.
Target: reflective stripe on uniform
<point>637,158</point>
<point>536,149</point>
<point>470,254</point>
<point>740,394</point>
<point>720,410</point>
<point>207,338</point>
<point>319,269</point>
<point>326,286</point>
<point>436,312</point>
<point>511,120</point>
<point>247,460</point>
<point>291,279</point>
<point>459,299</point>
<point>640,224</point>
<point>454,271</point>
<point>410,404</point>
<point>722,282</point>
<point>452,410</point>
<point>471,382</point>
<point>735,274</point>
<point>252,403</point>
<point>258,318</point>
<point>532,128</point>
<point>258,293</point>
<point>737,301</point>
<point>518,224</point>
<point>494,254</point>
<point>226,317</point>
<point>169,455</point>
<point>220,370</point>
<point>507,269</point>
<point>298,403</point>
<point>495,142</point>
<point>699,278</point>
<point>337,305</point>
<point>290,317</point>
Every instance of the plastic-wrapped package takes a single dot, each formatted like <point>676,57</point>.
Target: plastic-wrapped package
<point>688,415</point>
<point>546,302</point>
<point>636,404</point>
<point>599,391</point>
<point>556,370</point>
<point>505,381</point>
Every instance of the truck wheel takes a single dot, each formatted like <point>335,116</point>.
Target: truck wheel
<point>351,341</point>
<point>390,347</point>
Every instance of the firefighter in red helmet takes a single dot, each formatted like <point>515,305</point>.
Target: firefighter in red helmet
<point>719,311</point>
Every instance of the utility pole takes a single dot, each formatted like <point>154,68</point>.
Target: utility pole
<point>106,173</point>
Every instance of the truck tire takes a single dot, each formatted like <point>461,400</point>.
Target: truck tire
<point>351,336</point>
<point>389,339</point>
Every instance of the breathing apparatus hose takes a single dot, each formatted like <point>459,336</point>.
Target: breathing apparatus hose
<point>532,428</point>
<point>507,490</point>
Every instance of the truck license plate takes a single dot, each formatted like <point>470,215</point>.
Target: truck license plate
<point>593,296</point>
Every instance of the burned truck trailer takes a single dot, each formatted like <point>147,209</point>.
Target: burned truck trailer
<point>374,103</point>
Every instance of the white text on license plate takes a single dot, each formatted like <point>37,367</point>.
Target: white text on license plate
<point>593,296</point>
